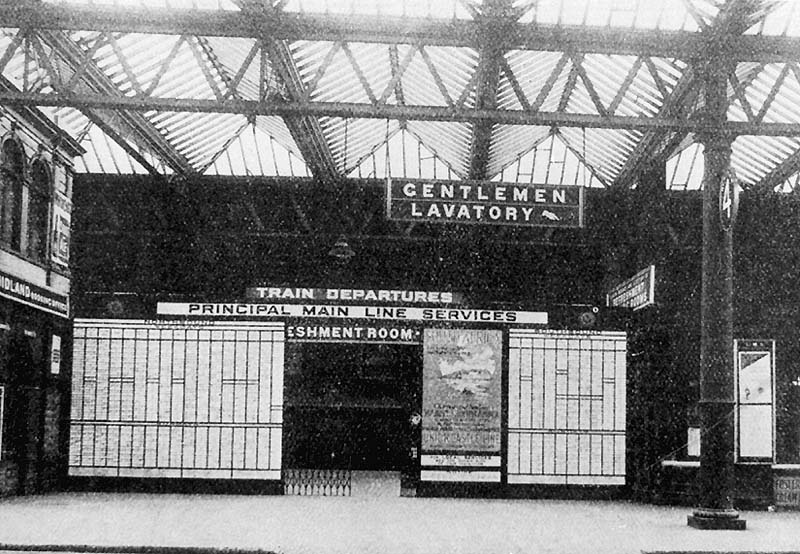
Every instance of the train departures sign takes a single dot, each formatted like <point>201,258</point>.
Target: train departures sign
<point>304,294</point>
<point>485,202</point>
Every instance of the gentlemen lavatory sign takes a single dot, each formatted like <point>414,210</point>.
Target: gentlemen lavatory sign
<point>485,202</point>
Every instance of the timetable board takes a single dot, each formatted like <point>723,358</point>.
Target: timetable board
<point>566,407</point>
<point>178,400</point>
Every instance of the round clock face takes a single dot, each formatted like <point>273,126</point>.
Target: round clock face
<point>587,319</point>
<point>728,200</point>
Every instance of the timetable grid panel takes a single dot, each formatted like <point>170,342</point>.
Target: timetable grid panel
<point>177,401</point>
<point>566,407</point>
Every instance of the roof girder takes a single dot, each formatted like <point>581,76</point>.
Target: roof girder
<point>670,127</point>
<point>722,39</point>
<point>495,18</point>
<point>390,30</point>
<point>130,122</point>
<point>412,113</point>
<point>305,129</point>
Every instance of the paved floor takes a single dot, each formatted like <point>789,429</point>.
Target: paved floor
<point>294,525</point>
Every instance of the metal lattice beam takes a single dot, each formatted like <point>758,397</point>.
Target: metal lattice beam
<point>723,37</point>
<point>390,30</point>
<point>650,147</point>
<point>418,113</point>
<point>781,172</point>
<point>306,130</point>
<point>495,17</point>
<point>128,123</point>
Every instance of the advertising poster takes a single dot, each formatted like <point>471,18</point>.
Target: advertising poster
<point>61,230</point>
<point>461,391</point>
<point>755,418</point>
<point>55,355</point>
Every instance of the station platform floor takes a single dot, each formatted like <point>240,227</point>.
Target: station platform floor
<point>348,525</point>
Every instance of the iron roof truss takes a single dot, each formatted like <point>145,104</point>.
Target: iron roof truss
<point>327,75</point>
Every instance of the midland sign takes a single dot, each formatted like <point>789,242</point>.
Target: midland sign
<point>34,296</point>
<point>485,202</point>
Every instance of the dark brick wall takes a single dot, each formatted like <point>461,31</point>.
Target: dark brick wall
<point>36,402</point>
<point>202,240</point>
<point>8,477</point>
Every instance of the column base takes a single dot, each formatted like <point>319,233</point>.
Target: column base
<point>726,520</point>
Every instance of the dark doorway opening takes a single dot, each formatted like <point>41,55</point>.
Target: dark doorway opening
<point>350,406</point>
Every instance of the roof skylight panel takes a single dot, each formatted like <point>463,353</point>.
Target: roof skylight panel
<point>780,17</point>
<point>168,4</point>
<point>685,169</point>
<point>68,119</point>
<point>637,14</point>
<point>509,142</point>
<point>448,140</point>
<point>438,9</point>
<point>754,157</point>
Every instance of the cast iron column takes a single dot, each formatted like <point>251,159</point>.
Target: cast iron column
<point>716,322</point>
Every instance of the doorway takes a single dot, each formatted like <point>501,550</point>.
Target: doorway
<point>23,410</point>
<point>348,410</point>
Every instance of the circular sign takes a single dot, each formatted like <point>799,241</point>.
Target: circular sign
<point>728,199</point>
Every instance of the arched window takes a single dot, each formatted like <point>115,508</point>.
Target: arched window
<point>12,174</point>
<point>39,195</point>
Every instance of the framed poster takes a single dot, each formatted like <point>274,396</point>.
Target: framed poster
<point>461,404</point>
<point>755,400</point>
<point>55,355</point>
<point>61,230</point>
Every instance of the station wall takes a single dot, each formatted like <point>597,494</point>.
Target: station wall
<point>35,205</point>
<point>211,246</point>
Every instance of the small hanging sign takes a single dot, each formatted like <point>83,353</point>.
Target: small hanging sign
<point>728,199</point>
<point>55,355</point>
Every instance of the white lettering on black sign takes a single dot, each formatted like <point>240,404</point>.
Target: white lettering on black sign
<point>351,333</point>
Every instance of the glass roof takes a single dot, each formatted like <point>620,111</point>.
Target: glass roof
<point>444,9</point>
<point>783,19</point>
<point>347,57</point>
<point>167,4</point>
<point>638,14</point>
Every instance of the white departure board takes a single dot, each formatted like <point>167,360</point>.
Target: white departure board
<point>566,407</point>
<point>177,400</point>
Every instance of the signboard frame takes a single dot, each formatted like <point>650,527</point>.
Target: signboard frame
<point>485,203</point>
<point>787,496</point>
<point>61,230</point>
<point>343,331</point>
<point>280,294</point>
<point>35,296</point>
<point>728,199</point>
<point>626,293</point>
<point>425,315</point>
<point>468,354</point>
<point>192,392</point>
<point>753,346</point>
<point>55,355</point>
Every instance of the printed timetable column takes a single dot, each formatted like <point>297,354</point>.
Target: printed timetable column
<point>174,401</point>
